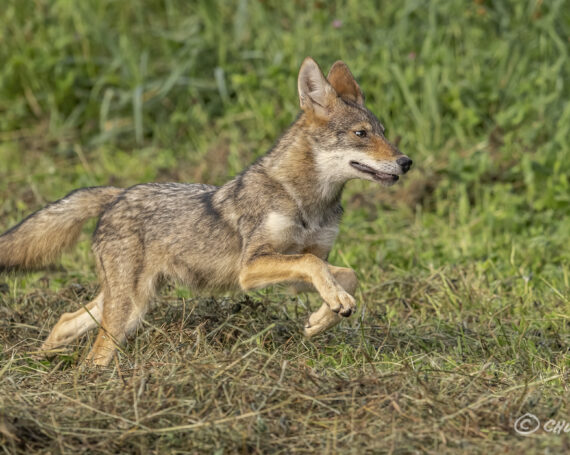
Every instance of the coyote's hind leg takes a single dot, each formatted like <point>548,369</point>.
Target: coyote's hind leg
<point>121,315</point>
<point>128,291</point>
<point>72,325</point>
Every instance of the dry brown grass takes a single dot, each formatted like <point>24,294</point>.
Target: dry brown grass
<point>236,376</point>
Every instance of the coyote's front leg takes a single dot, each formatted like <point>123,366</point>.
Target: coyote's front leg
<point>327,280</point>
<point>323,319</point>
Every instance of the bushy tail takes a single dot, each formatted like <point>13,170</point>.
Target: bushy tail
<point>40,238</point>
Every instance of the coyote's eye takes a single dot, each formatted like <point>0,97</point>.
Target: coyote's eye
<point>360,133</point>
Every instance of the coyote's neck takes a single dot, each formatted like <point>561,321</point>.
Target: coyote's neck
<point>293,163</point>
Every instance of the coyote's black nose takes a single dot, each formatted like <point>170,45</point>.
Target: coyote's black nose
<point>405,163</point>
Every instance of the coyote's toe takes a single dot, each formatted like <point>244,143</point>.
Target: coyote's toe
<point>343,304</point>
<point>346,312</point>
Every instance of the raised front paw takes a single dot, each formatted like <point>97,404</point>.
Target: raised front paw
<point>342,303</point>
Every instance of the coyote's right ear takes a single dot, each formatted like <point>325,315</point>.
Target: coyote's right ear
<point>344,83</point>
<point>315,93</point>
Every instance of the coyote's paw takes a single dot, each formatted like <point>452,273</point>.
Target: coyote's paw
<point>342,303</point>
<point>47,346</point>
<point>321,320</point>
<point>50,345</point>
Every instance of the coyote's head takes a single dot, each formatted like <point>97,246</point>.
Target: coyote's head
<point>347,139</point>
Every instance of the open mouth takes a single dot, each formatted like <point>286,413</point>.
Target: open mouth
<point>376,175</point>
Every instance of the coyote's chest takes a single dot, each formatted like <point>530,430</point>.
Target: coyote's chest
<point>290,235</point>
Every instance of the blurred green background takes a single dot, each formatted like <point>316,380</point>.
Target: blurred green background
<point>111,92</point>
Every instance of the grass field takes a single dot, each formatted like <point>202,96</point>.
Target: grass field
<point>464,305</point>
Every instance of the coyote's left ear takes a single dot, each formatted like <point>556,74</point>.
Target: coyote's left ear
<point>315,93</point>
<point>344,83</point>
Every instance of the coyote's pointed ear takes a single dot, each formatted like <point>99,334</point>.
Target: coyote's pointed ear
<point>344,83</point>
<point>315,93</point>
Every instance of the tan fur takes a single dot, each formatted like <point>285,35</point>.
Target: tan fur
<point>40,238</point>
<point>274,223</point>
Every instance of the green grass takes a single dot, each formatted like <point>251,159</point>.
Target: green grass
<point>464,301</point>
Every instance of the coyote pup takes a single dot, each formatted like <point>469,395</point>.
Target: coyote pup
<point>274,223</point>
